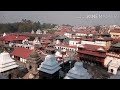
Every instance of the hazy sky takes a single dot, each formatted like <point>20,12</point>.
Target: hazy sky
<point>63,17</point>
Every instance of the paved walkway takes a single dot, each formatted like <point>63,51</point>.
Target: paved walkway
<point>97,72</point>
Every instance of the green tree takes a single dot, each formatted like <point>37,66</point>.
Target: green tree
<point>97,28</point>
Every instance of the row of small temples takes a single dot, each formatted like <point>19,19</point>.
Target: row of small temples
<point>36,68</point>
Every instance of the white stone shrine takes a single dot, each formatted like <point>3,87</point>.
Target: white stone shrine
<point>4,34</point>
<point>32,32</point>
<point>50,65</point>
<point>6,62</point>
<point>78,72</point>
<point>38,31</point>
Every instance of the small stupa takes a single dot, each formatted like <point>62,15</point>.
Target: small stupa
<point>32,32</point>
<point>4,34</point>
<point>50,67</point>
<point>38,31</point>
<point>36,41</point>
<point>78,72</point>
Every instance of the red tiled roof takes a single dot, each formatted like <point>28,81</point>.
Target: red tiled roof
<point>13,38</point>
<point>86,31</point>
<point>21,52</point>
<point>92,47</point>
<point>92,50</point>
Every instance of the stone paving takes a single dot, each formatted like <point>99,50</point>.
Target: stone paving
<point>97,72</point>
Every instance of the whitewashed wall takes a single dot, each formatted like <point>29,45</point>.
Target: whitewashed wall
<point>73,43</point>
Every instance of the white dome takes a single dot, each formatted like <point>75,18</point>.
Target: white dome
<point>4,56</point>
<point>50,60</point>
<point>58,54</point>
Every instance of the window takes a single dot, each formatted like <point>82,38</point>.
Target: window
<point>112,70</point>
<point>9,76</point>
<point>30,67</point>
<point>38,66</point>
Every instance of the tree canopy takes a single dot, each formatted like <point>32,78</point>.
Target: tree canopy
<point>24,26</point>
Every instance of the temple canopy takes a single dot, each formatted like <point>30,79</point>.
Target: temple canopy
<point>78,72</point>
<point>6,62</point>
<point>50,65</point>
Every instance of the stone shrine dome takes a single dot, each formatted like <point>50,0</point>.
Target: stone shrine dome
<point>78,72</point>
<point>50,65</point>
<point>34,54</point>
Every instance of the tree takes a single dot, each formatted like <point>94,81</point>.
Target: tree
<point>97,28</point>
<point>24,26</point>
